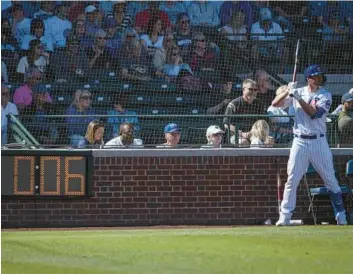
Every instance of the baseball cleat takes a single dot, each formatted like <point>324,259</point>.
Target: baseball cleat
<point>283,222</point>
<point>341,218</point>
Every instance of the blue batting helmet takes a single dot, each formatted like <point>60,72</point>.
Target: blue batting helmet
<point>313,70</point>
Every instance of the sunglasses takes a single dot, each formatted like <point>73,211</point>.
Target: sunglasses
<point>85,97</point>
<point>102,38</point>
<point>252,89</point>
<point>200,40</point>
<point>175,54</point>
<point>185,21</point>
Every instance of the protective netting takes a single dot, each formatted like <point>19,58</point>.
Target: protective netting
<point>153,63</point>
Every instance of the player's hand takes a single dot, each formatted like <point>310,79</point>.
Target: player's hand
<point>292,85</point>
<point>294,93</point>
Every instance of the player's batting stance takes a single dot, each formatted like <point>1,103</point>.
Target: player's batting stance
<point>311,104</point>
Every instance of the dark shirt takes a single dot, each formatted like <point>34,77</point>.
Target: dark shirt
<point>239,106</point>
<point>140,67</point>
<point>264,100</point>
<point>289,7</point>
<point>102,60</point>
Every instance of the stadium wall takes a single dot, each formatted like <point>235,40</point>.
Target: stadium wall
<point>172,187</point>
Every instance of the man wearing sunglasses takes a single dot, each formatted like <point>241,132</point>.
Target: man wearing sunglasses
<point>98,55</point>
<point>242,105</point>
<point>6,108</point>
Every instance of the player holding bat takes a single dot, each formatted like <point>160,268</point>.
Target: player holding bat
<point>311,104</point>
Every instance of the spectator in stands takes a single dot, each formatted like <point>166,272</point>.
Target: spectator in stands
<point>204,13</point>
<point>23,96</point>
<point>172,136</point>
<point>9,50</point>
<point>135,65</point>
<point>76,125</point>
<point>172,8</point>
<point>260,135</point>
<point>340,106</point>
<point>143,17</point>
<point>4,73</point>
<point>229,8</point>
<point>79,31</point>
<point>316,10</point>
<point>113,38</point>
<point>36,57</point>
<point>129,37</point>
<point>281,127</point>
<point>46,10</point>
<point>94,136</point>
<point>6,108</point>
<point>122,19</point>
<point>71,64</point>
<point>174,64</point>
<point>345,120</point>
<point>222,96</point>
<point>334,31</point>
<point>92,17</point>
<point>236,30</point>
<point>183,34</point>
<point>214,136</point>
<point>20,25</point>
<point>126,138</point>
<point>122,116</point>
<point>153,39</point>
<point>265,93</point>
<point>289,13</point>
<point>160,56</point>
<point>202,57</point>
<point>57,27</point>
<point>37,32</point>
<point>242,105</point>
<point>98,55</point>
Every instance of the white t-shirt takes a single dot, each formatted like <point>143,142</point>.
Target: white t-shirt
<point>256,142</point>
<point>9,109</point>
<point>22,29</point>
<point>58,30</point>
<point>117,142</point>
<point>41,63</point>
<point>45,40</point>
<point>280,111</point>
<point>275,29</point>
<point>237,34</point>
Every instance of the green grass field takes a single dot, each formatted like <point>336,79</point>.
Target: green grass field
<point>321,249</point>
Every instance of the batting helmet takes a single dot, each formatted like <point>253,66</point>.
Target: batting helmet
<point>313,70</point>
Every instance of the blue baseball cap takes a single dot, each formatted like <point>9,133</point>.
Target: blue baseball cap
<point>171,128</point>
<point>347,97</point>
<point>313,70</point>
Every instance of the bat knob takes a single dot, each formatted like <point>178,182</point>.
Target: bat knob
<point>291,95</point>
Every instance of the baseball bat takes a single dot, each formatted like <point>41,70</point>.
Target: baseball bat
<point>296,62</point>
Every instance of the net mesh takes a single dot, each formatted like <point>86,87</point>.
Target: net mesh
<point>156,63</point>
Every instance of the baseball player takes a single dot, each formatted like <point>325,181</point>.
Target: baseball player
<point>311,104</point>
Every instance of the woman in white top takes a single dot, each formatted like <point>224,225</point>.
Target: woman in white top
<point>236,30</point>
<point>153,40</point>
<point>260,135</point>
<point>36,57</point>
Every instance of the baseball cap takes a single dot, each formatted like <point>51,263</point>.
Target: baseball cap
<point>213,130</point>
<point>90,9</point>
<point>265,14</point>
<point>347,97</point>
<point>313,70</point>
<point>171,128</point>
<point>110,23</point>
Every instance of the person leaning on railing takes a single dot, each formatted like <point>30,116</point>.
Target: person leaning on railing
<point>94,136</point>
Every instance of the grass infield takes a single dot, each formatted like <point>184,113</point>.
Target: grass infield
<point>321,249</point>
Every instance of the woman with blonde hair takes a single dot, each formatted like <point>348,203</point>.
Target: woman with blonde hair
<point>94,135</point>
<point>260,135</point>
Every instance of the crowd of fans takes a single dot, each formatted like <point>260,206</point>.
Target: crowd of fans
<point>177,42</point>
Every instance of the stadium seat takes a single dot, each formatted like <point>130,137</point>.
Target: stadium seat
<point>321,193</point>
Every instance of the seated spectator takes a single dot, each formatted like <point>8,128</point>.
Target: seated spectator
<point>260,135</point>
<point>345,120</point>
<point>129,37</point>
<point>281,127</point>
<point>113,38</point>
<point>265,93</point>
<point>122,19</point>
<point>71,64</point>
<point>37,32</point>
<point>172,136</point>
<point>202,57</point>
<point>333,31</point>
<point>77,11</point>
<point>98,55</point>
<point>235,30</point>
<point>36,57</point>
<point>289,13</point>
<point>222,95</point>
<point>6,108</point>
<point>76,125</point>
<point>174,64</point>
<point>4,73</point>
<point>229,8</point>
<point>23,95</point>
<point>142,18</point>
<point>126,138</point>
<point>94,136</point>
<point>20,25</point>
<point>122,116</point>
<point>9,49</point>
<point>160,56</point>
<point>57,27</point>
<point>134,7</point>
<point>183,34</point>
<point>204,13</point>
<point>46,10</point>
<point>135,65</point>
<point>340,106</point>
<point>79,31</point>
<point>172,8</point>
<point>214,136</point>
<point>316,11</point>
<point>242,105</point>
<point>92,17</point>
<point>153,39</point>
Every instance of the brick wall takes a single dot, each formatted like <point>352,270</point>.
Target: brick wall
<point>169,191</point>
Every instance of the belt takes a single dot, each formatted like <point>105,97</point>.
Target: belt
<point>311,137</point>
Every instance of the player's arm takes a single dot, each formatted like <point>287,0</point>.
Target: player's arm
<point>312,111</point>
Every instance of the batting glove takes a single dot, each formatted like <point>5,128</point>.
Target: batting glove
<point>294,93</point>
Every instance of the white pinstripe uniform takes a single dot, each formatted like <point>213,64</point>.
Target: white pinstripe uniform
<point>305,151</point>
